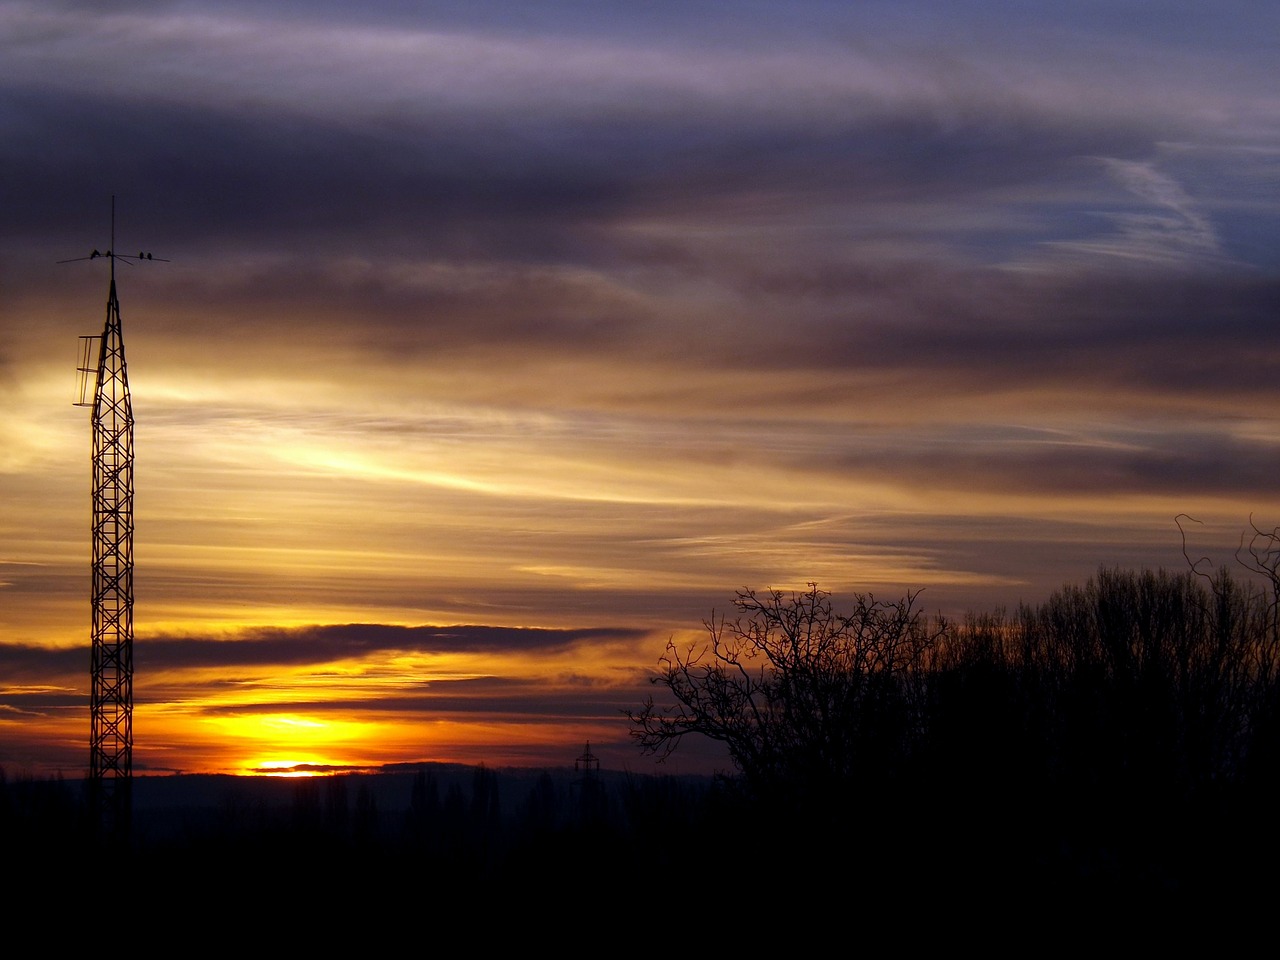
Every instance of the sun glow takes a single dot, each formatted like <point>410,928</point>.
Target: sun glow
<point>289,744</point>
<point>287,768</point>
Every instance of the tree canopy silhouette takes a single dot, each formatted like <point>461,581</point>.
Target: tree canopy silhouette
<point>809,702</point>
<point>1122,732</point>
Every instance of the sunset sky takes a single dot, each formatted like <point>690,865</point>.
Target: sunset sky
<point>499,343</point>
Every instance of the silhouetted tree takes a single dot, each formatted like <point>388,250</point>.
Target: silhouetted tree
<point>423,816</point>
<point>816,708</point>
<point>486,805</point>
<point>306,810</point>
<point>1259,554</point>
<point>542,811</point>
<point>1108,727</point>
<point>336,814</point>
<point>367,820</point>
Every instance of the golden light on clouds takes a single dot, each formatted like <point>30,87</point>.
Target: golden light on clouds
<point>455,401</point>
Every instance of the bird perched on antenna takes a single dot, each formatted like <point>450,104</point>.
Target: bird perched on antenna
<point>117,256</point>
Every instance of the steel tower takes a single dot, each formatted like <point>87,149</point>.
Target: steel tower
<point>111,636</point>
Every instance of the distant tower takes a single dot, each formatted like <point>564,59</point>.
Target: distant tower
<point>111,694</point>
<point>587,764</point>
<point>586,785</point>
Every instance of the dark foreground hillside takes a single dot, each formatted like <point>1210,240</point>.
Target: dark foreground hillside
<point>448,834</point>
<point>433,829</point>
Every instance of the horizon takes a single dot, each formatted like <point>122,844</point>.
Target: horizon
<point>494,348</point>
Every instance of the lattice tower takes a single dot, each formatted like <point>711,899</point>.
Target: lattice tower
<point>111,634</point>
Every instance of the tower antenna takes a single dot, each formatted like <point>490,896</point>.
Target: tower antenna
<point>111,633</point>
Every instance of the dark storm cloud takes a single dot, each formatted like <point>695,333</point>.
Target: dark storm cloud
<point>325,644</point>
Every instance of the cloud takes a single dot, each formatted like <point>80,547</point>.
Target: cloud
<point>323,644</point>
<point>1103,462</point>
<point>23,661</point>
<point>1172,227</point>
<point>501,699</point>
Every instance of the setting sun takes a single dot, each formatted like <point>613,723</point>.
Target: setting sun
<point>288,768</point>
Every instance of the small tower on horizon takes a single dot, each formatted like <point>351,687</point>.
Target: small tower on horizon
<point>111,594</point>
<point>586,791</point>
<point>588,763</point>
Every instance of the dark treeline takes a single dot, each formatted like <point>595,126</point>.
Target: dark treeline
<point>1120,739</point>
<point>1124,734</point>
<point>365,840</point>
